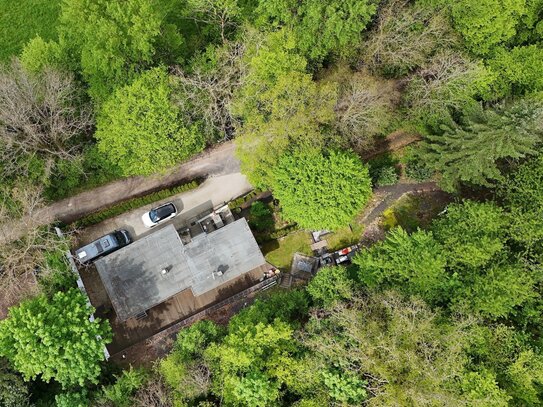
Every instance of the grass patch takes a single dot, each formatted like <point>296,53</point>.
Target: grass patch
<point>414,211</point>
<point>279,252</point>
<point>22,20</point>
<point>133,203</point>
<point>344,237</point>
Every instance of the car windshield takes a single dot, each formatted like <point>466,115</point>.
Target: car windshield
<point>153,215</point>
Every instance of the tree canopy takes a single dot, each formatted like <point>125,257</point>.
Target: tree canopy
<point>113,41</point>
<point>55,339</point>
<point>471,152</point>
<point>320,28</point>
<point>321,191</point>
<point>140,129</point>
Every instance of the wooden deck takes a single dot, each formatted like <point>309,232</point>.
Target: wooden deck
<point>178,307</point>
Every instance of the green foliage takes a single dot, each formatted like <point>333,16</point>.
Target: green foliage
<point>470,153</point>
<point>251,361</point>
<point>90,170</point>
<point>518,71</point>
<point>125,385</point>
<point>254,389</point>
<point>280,107</point>
<point>449,83</point>
<point>386,176</point>
<point>507,353</point>
<point>134,203</point>
<point>488,23</point>
<point>21,21</point>
<point>192,341</point>
<point>56,274</point>
<point>494,291</point>
<point>345,388</point>
<point>290,307</point>
<point>39,54</point>
<point>526,378</point>
<point>55,339</point>
<point>321,191</point>
<point>113,41</point>
<point>13,391</point>
<point>414,263</point>
<point>320,28</point>
<point>482,389</point>
<point>418,171</point>
<point>522,191</point>
<point>260,216</point>
<point>330,285</point>
<point>410,356</point>
<point>140,129</point>
<point>473,233</point>
<point>72,399</point>
<point>238,202</point>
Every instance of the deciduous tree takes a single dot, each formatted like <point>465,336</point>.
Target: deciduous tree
<point>55,339</point>
<point>40,115</point>
<point>331,285</point>
<point>140,129</point>
<point>447,84</point>
<point>279,106</point>
<point>488,23</point>
<point>405,37</point>
<point>472,233</point>
<point>113,41</point>
<point>320,28</point>
<point>414,263</point>
<point>321,191</point>
<point>522,191</point>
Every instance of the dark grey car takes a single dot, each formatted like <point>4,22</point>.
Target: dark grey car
<point>102,246</point>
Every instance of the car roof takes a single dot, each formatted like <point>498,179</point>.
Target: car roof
<point>97,247</point>
<point>165,210</point>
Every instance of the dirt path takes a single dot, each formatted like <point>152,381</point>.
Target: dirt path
<point>390,194</point>
<point>394,141</point>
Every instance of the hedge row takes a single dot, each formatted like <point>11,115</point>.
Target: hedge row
<point>277,234</point>
<point>245,198</point>
<point>134,203</point>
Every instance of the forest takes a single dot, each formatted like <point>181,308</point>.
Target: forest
<point>445,313</point>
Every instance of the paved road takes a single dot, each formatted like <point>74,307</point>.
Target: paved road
<point>218,161</point>
<point>212,193</point>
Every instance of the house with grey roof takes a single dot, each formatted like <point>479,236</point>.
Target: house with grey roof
<point>162,264</point>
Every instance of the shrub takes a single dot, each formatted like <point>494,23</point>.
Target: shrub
<point>417,171</point>
<point>386,176</point>
<point>260,217</point>
<point>126,385</point>
<point>72,399</point>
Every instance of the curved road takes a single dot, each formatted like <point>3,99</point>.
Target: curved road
<point>214,162</point>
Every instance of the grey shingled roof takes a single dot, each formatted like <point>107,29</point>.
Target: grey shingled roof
<point>132,275</point>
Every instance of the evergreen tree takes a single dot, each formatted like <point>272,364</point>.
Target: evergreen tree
<point>471,152</point>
